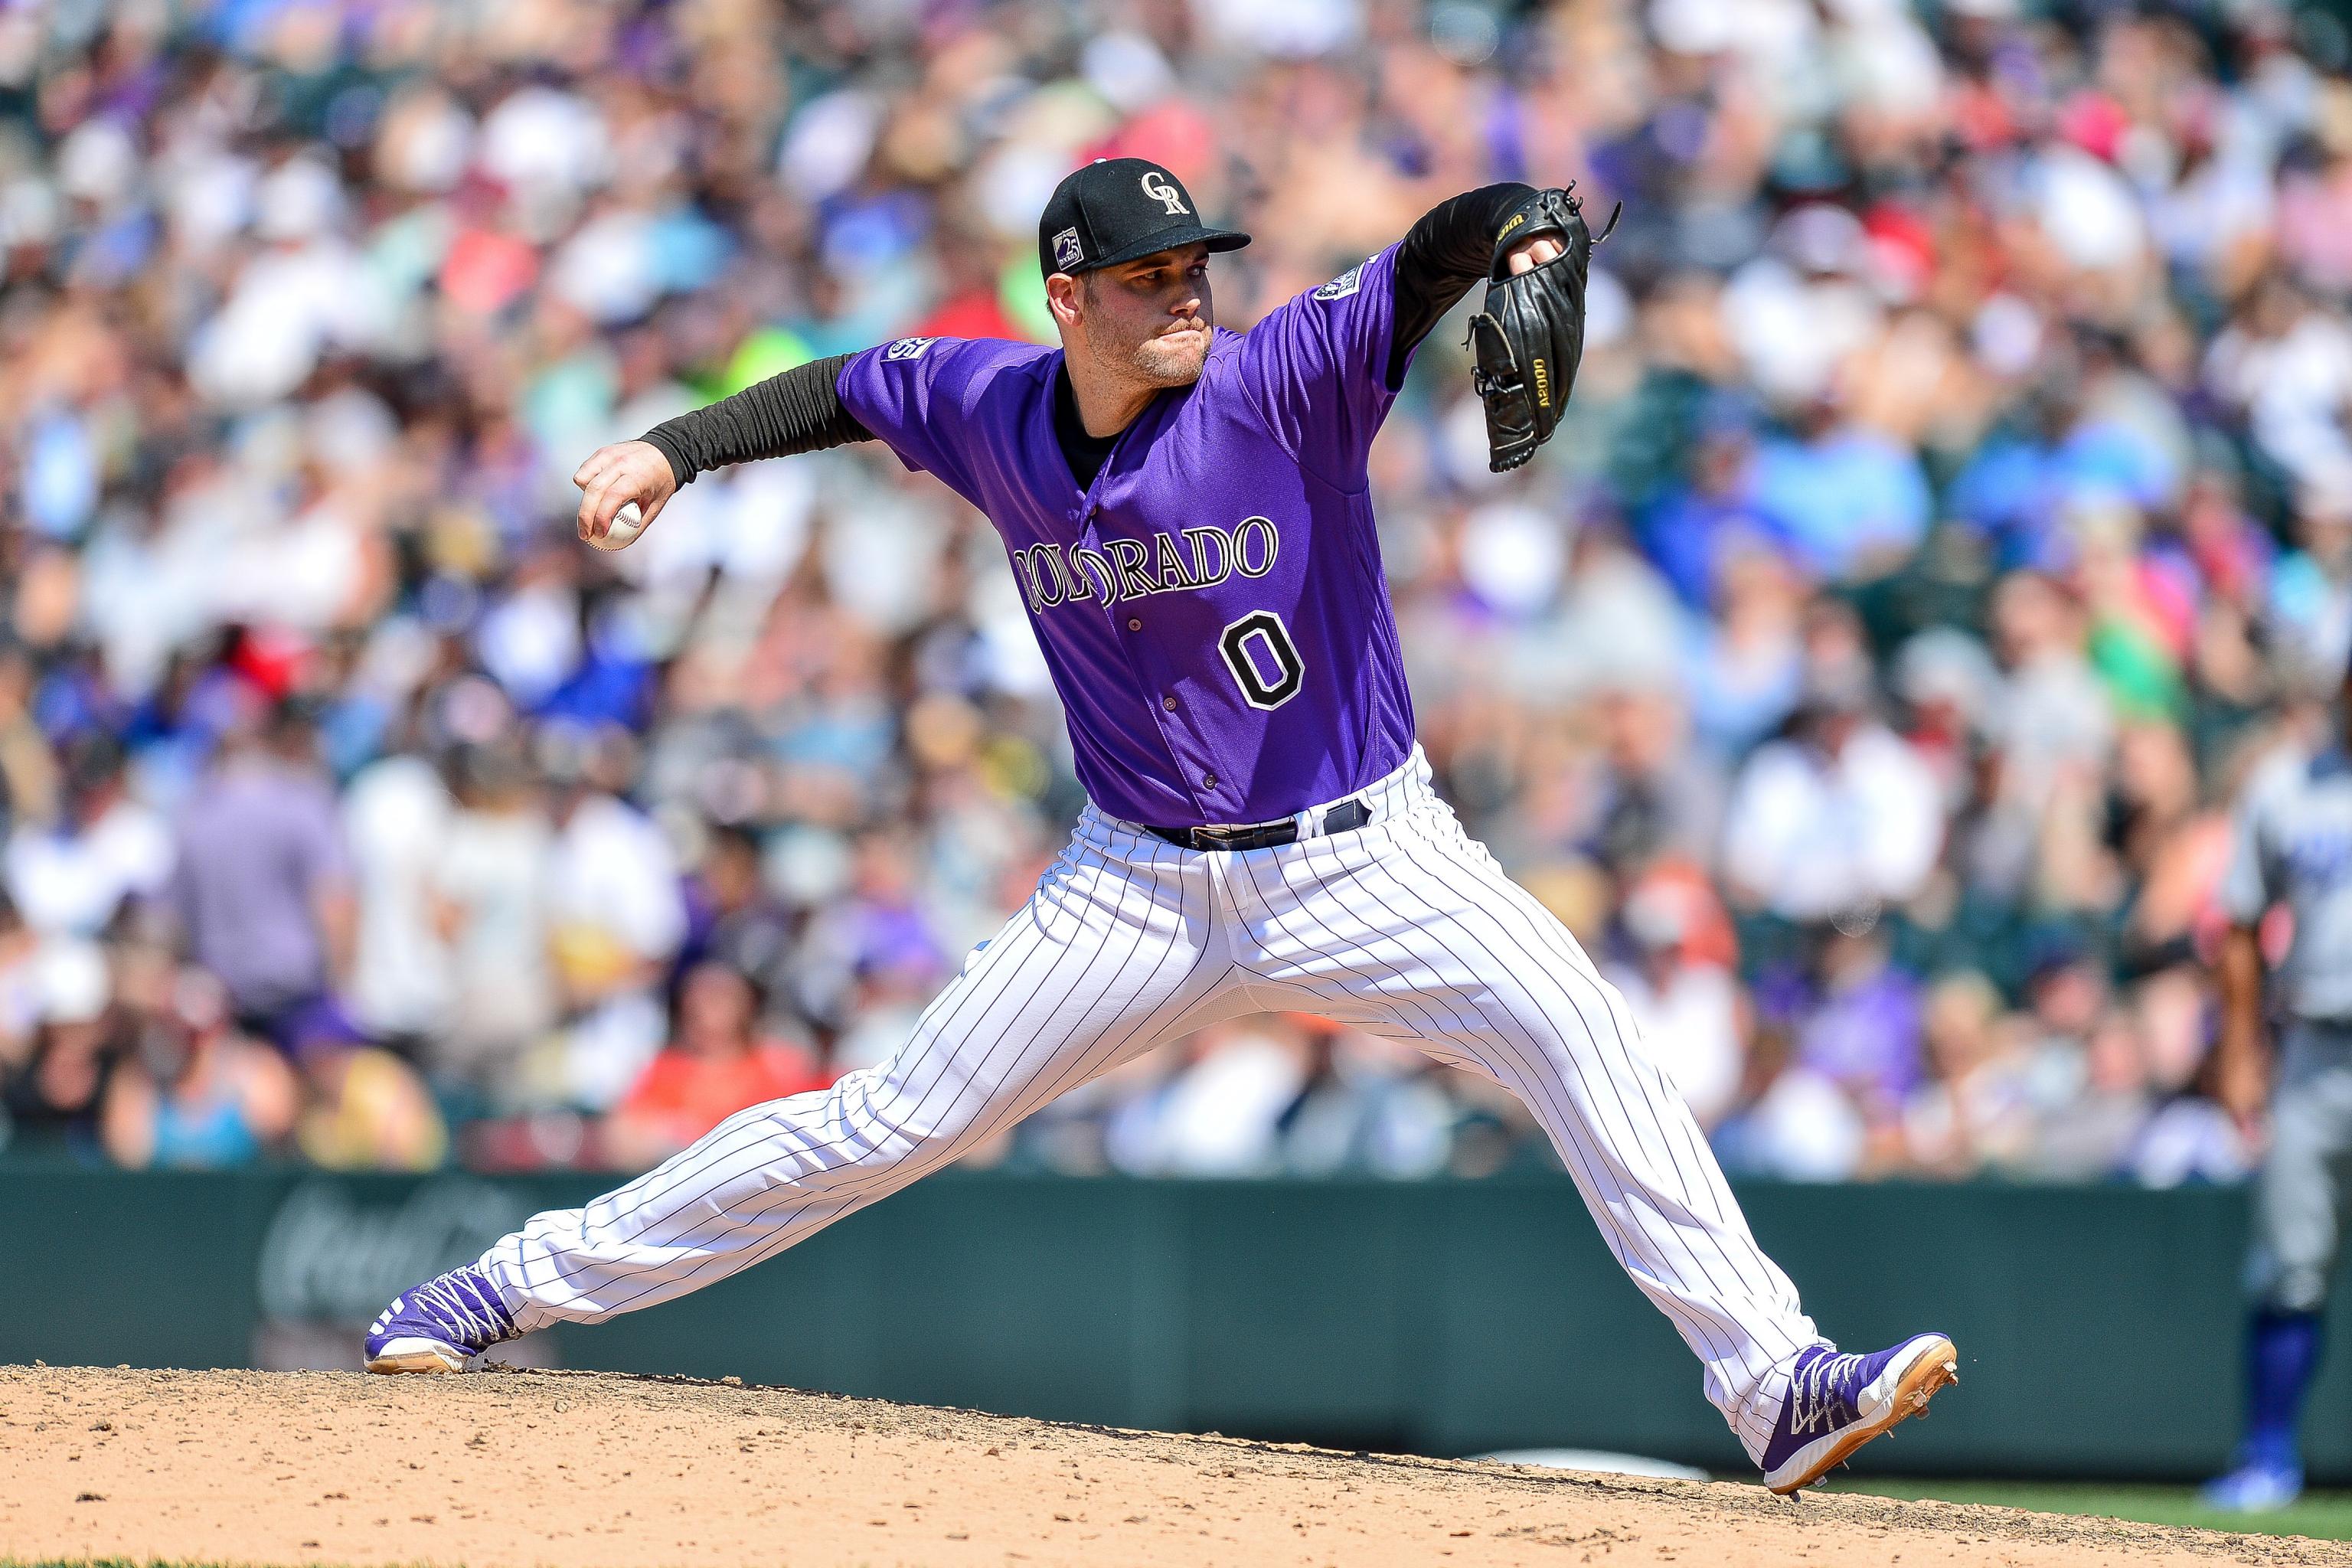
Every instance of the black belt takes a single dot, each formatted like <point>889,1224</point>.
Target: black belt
<point>1344,817</point>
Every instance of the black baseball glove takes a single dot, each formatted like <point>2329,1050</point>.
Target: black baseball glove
<point>1530,336</point>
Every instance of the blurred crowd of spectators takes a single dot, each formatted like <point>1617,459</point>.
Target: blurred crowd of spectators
<point>1956,500</point>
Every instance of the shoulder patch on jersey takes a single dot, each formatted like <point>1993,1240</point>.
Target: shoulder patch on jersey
<point>1342,286</point>
<point>908,348</point>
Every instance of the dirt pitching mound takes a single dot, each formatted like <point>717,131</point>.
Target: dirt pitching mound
<point>582,1469</point>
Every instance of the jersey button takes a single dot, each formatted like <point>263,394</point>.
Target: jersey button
<point>1209,781</point>
<point>1168,703</point>
<point>1133,625</point>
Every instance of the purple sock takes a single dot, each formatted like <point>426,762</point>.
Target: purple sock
<point>2282,1355</point>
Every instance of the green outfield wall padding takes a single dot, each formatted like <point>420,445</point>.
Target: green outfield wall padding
<point>2098,1327</point>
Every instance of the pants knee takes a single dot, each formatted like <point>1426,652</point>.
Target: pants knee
<point>2284,1285</point>
<point>899,1122</point>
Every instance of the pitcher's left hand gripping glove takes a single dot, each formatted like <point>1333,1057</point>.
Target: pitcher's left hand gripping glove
<point>1530,336</point>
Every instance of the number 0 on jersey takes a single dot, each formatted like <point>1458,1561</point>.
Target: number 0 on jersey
<point>1270,673</point>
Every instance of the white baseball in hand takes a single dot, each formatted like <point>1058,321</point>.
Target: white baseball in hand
<point>628,523</point>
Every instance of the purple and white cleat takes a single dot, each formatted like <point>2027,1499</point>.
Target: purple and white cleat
<point>434,1326</point>
<point>1838,1403</point>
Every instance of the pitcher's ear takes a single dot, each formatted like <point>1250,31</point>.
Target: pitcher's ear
<point>1061,291</point>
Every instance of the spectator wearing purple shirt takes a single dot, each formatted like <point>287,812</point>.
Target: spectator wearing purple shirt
<point>263,888</point>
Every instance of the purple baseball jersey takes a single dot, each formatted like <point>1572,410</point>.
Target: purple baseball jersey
<point>1211,607</point>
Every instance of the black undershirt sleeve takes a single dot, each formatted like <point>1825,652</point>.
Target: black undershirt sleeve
<point>798,411</point>
<point>1448,250</point>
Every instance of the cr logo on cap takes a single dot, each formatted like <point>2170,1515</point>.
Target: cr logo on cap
<point>1157,187</point>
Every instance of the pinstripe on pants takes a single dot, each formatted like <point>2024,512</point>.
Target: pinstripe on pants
<point>1406,928</point>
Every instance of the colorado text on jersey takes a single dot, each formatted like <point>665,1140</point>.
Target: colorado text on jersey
<point>1130,569</point>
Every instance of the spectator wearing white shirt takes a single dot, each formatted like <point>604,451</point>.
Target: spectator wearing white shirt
<point>1792,1123</point>
<point>1691,1016</point>
<point>616,903</point>
<point>489,895</point>
<point>2051,716</point>
<point>1841,815</point>
<point>396,820</point>
<point>1222,1114</point>
<point>107,849</point>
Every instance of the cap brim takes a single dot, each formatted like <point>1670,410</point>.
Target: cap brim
<point>1171,239</point>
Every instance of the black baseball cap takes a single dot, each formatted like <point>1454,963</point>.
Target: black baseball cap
<point>1117,209</point>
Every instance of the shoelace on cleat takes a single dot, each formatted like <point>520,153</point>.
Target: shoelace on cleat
<point>466,1312</point>
<point>1817,1394</point>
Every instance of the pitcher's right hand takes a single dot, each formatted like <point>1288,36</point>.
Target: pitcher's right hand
<point>616,475</point>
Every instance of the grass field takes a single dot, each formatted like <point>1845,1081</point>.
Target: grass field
<point>2324,1516</point>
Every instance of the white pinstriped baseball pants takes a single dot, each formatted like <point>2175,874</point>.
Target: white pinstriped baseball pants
<point>1405,927</point>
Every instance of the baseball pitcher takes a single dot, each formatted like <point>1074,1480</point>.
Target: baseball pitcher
<point>1188,514</point>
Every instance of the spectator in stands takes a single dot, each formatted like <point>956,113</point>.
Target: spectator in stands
<point>262,889</point>
<point>1653,795</point>
<point>489,895</point>
<point>1220,1110</point>
<point>397,820</point>
<point>732,918</point>
<point>1686,999</point>
<point>192,1093</point>
<point>1841,815</point>
<point>362,1107</point>
<point>1747,674</point>
<point>53,1102</point>
<point>873,957</point>
<point>29,778</point>
<point>1370,1106</point>
<point>1860,1028</point>
<point>1790,1120</point>
<point>616,906</point>
<point>106,851</point>
<point>716,1064</point>
<point>21,993</point>
<point>2087,1127</point>
<point>1972,1109</point>
<point>305,327</point>
<point>2053,718</point>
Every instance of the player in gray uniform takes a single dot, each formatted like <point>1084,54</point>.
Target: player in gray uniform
<point>2293,846</point>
